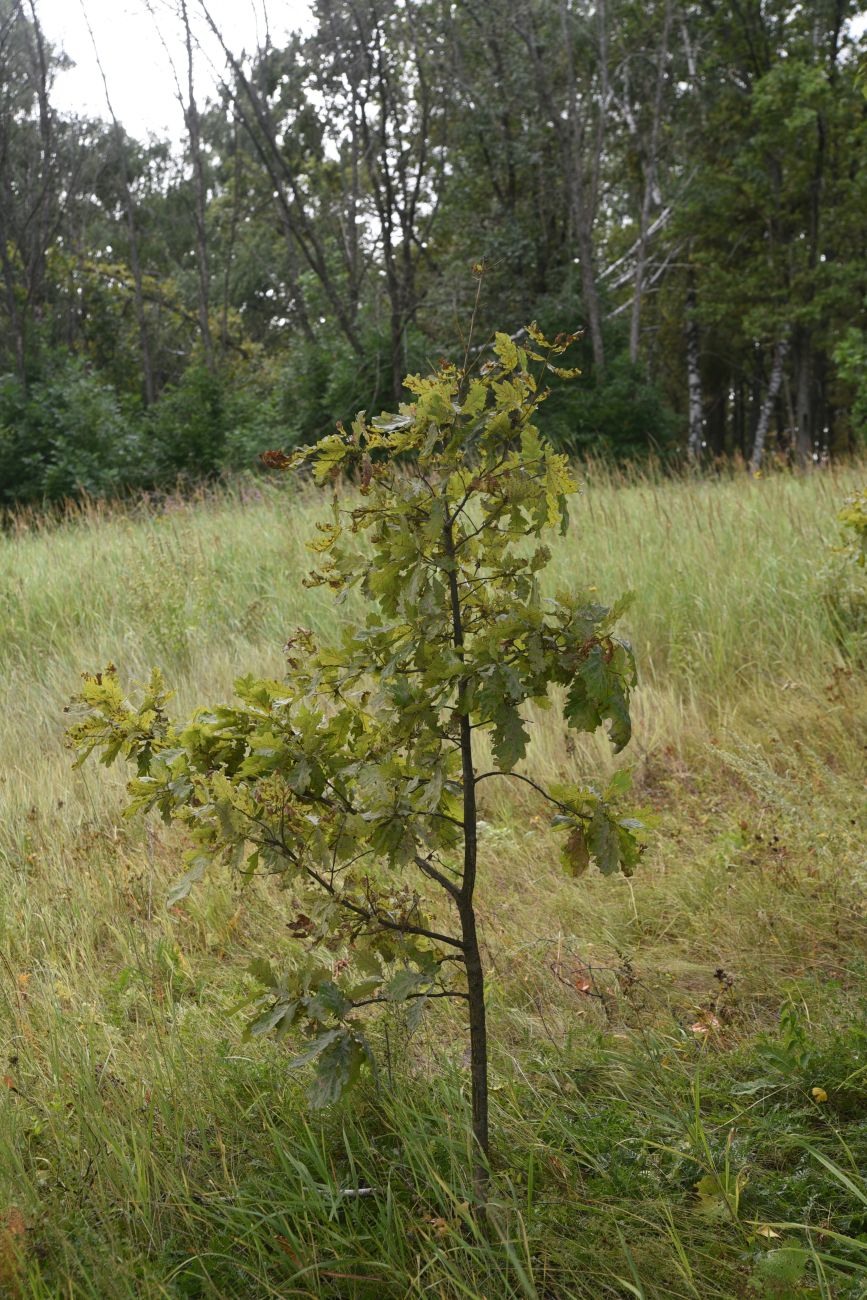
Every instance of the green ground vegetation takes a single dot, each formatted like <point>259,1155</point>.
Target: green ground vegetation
<point>679,1068</point>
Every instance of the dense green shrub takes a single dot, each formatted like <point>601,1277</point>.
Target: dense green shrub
<point>617,413</point>
<point>68,433</point>
<point>188,424</point>
<point>209,422</point>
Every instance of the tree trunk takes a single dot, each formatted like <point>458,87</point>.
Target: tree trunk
<point>579,176</point>
<point>582,206</point>
<point>229,254</point>
<point>695,440</point>
<point>803,405</point>
<point>191,113</point>
<point>40,216</point>
<point>466,909</point>
<point>129,206</point>
<point>739,437</point>
<point>650,164</point>
<point>589,291</point>
<point>478,1048</point>
<point>767,408</point>
<point>397,349</point>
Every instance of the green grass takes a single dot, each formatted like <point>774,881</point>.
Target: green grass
<point>654,1122</point>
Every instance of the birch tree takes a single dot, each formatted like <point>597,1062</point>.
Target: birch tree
<point>767,408</point>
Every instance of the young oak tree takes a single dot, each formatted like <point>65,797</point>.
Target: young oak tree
<point>356,779</point>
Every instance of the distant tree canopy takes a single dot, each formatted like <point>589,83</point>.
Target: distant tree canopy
<point>684,181</point>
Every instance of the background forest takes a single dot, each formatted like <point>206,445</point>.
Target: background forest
<point>684,180</point>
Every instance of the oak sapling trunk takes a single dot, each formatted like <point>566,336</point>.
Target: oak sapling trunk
<point>466,906</point>
<point>354,777</point>
<point>478,1048</point>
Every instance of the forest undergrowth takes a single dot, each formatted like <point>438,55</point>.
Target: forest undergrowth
<point>679,1060</point>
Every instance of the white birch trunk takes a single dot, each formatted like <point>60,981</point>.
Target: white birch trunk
<point>768,405</point>
<point>695,441</point>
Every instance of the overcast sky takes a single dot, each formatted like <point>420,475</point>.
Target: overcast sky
<point>139,75</point>
<point>137,67</point>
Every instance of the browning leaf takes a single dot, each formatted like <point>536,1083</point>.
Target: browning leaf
<point>575,854</point>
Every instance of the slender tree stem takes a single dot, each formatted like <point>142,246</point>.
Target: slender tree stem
<point>378,1002</point>
<point>519,776</point>
<point>466,910</point>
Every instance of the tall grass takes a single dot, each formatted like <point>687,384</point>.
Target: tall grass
<point>735,604</point>
<point>148,1150</point>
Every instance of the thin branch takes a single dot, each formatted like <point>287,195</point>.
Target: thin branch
<point>271,840</point>
<point>429,870</point>
<point>517,776</point>
<point>377,1002</point>
<point>370,914</point>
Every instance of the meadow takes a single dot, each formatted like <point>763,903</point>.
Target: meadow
<point>679,1060</point>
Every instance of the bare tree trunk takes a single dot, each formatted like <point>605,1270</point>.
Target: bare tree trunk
<point>129,206</point>
<point>36,269</point>
<point>582,204</point>
<point>767,408</point>
<point>352,201</point>
<point>478,1047</point>
<point>229,252</point>
<point>300,230</point>
<point>803,404</point>
<point>695,440</point>
<point>650,187</point>
<point>742,425</point>
<point>589,289</point>
<point>191,113</point>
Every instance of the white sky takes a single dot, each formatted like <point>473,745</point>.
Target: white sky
<point>139,76</point>
<point>137,68</point>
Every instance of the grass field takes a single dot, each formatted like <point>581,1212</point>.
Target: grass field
<point>679,1060</point>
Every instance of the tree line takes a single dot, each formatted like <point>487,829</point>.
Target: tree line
<point>682,180</point>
